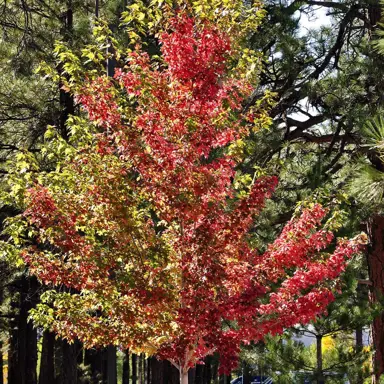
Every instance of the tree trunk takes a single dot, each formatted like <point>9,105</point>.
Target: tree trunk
<point>375,260</point>
<point>126,372</point>
<point>79,359</point>
<point>246,374</point>
<point>68,370</point>
<point>157,371</point>
<point>30,349</point>
<point>208,370</point>
<point>57,359</point>
<point>143,368</point>
<point>134,368</point>
<point>14,372</point>
<point>140,369</point>
<point>319,358</point>
<point>359,348</point>
<point>148,370</point>
<point>199,374</point>
<point>215,370</point>
<point>192,375</point>
<point>112,365</point>
<point>171,373</point>
<point>1,364</point>
<point>47,368</point>
<point>183,377</point>
<point>22,355</point>
<point>97,360</point>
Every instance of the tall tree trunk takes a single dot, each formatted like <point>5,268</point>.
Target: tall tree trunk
<point>157,371</point>
<point>143,368</point>
<point>1,364</point>
<point>319,360</point>
<point>208,370</point>
<point>359,348</point>
<point>30,353</point>
<point>22,354</point>
<point>215,369</point>
<point>68,369</point>
<point>2,266</point>
<point>183,377</point>
<point>145,363</point>
<point>134,368</point>
<point>57,359</point>
<point>112,365</point>
<point>375,260</point>
<point>47,368</point>
<point>95,359</point>
<point>79,358</point>
<point>192,375</point>
<point>14,372</point>
<point>171,373</point>
<point>199,374</point>
<point>148,370</point>
<point>126,371</point>
<point>247,374</point>
<point>140,368</point>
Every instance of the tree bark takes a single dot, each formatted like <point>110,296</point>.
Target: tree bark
<point>47,367</point>
<point>141,368</point>
<point>183,377</point>
<point>375,261</point>
<point>208,370</point>
<point>79,359</point>
<point>199,374</point>
<point>22,355</point>
<point>1,364</point>
<point>134,368</point>
<point>359,338</point>
<point>68,371</point>
<point>192,375</point>
<point>126,370</point>
<point>14,370</point>
<point>30,352</point>
<point>319,358</point>
<point>246,374</point>
<point>112,365</point>
<point>359,348</point>
<point>148,370</point>
<point>171,373</point>
<point>157,371</point>
<point>97,360</point>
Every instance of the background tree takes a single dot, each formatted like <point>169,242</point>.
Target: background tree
<point>329,82</point>
<point>28,104</point>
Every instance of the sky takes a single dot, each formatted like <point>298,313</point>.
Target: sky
<point>318,19</point>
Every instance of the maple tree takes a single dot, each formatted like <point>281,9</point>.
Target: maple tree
<point>145,224</point>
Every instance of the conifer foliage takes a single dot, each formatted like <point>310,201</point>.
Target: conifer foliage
<point>141,225</point>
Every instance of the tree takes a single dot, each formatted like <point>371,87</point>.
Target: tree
<point>28,103</point>
<point>367,185</point>
<point>334,353</point>
<point>329,81</point>
<point>141,222</point>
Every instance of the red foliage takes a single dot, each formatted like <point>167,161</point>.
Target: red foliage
<point>182,114</point>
